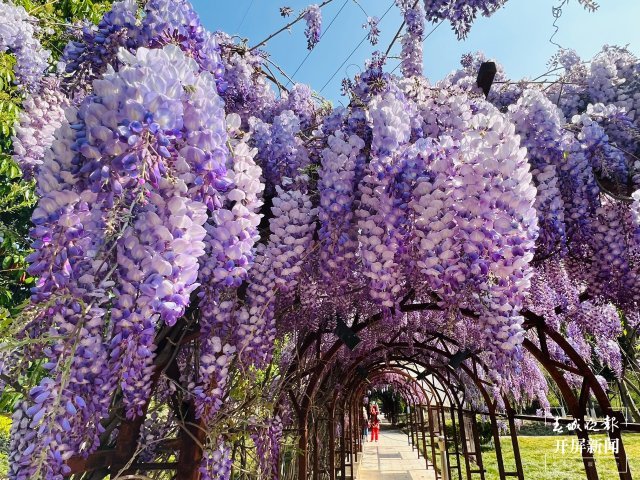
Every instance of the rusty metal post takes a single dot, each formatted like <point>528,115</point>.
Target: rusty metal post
<point>350,454</point>
<point>316,462</point>
<point>414,429</point>
<point>463,439</point>
<point>343,450</point>
<point>496,440</point>
<point>356,436</point>
<point>514,442</point>
<point>358,430</point>
<point>445,443</point>
<point>476,437</point>
<point>332,441</point>
<point>193,435</point>
<point>432,434</point>
<point>587,456</point>
<point>410,422</point>
<point>424,439</point>
<point>456,438</point>
<point>621,457</point>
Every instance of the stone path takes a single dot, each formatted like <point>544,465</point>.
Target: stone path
<point>392,459</point>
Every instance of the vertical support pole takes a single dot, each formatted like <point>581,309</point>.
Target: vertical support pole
<point>343,449</point>
<point>463,439</point>
<point>193,435</point>
<point>514,442</point>
<point>351,437</point>
<point>410,420</point>
<point>358,428</point>
<point>424,439</point>
<point>414,428</point>
<point>496,441</point>
<point>446,468</point>
<point>332,441</point>
<point>476,441</point>
<point>587,456</point>
<point>432,434</point>
<point>407,416</point>
<point>356,434</point>
<point>621,456</point>
<point>316,454</point>
<point>456,439</point>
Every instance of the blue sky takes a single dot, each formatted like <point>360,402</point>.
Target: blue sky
<point>516,36</point>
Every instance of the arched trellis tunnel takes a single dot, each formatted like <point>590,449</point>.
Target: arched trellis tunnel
<point>345,403</point>
<point>325,385</point>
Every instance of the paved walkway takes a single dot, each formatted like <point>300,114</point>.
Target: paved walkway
<point>392,459</point>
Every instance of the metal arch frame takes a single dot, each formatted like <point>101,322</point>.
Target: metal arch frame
<point>312,387</point>
<point>351,406</point>
<point>455,403</point>
<point>577,403</point>
<point>331,411</point>
<point>489,401</point>
<point>473,375</point>
<point>552,366</point>
<point>352,409</point>
<point>417,420</point>
<point>184,332</point>
<point>403,384</point>
<point>308,397</point>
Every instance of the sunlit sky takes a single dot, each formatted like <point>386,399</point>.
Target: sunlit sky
<point>516,36</point>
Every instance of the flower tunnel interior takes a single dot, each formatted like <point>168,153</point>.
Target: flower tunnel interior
<point>440,383</point>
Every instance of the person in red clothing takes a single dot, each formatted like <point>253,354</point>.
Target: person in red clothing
<point>374,423</point>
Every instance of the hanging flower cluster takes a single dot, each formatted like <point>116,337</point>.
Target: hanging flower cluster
<point>313,18</point>
<point>414,18</point>
<point>373,31</point>
<point>42,114</point>
<point>337,233</point>
<point>539,124</point>
<point>460,13</point>
<point>96,47</point>
<point>18,36</point>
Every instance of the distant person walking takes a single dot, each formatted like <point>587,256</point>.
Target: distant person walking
<point>374,423</point>
<point>365,424</point>
<point>373,411</point>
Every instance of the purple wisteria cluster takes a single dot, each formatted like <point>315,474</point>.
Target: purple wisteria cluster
<point>373,31</point>
<point>337,233</point>
<point>585,167</point>
<point>42,114</point>
<point>313,19</point>
<point>460,13</point>
<point>414,18</point>
<point>540,124</point>
<point>378,219</point>
<point>216,463</point>
<point>19,37</point>
<point>96,46</point>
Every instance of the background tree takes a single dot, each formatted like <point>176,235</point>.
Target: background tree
<point>57,20</point>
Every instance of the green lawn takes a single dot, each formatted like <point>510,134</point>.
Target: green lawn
<point>542,461</point>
